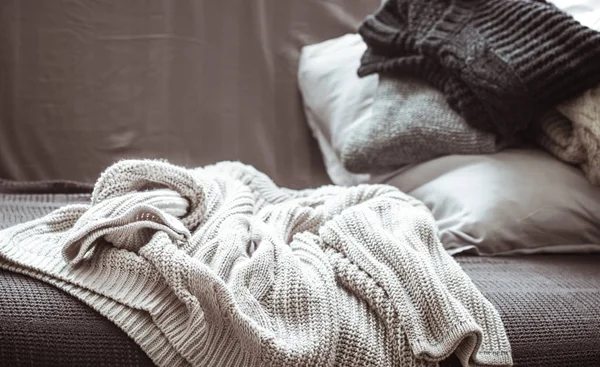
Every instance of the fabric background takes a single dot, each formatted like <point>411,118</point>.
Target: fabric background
<point>85,83</point>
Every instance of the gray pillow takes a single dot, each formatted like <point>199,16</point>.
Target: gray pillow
<point>517,201</point>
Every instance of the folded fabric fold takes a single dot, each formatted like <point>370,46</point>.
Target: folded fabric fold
<point>411,123</point>
<point>269,276</point>
<point>131,176</point>
<point>128,222</point>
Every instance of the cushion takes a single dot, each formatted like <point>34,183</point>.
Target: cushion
<point>87,83</point>
<point>335,99</point>
<point>515,201</point>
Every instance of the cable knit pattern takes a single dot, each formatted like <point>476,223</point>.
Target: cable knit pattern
<point>217,266</point>
<point>500,63</point>
<point>572,133</point>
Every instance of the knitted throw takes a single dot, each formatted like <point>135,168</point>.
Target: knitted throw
<point>411,123</point>
<point>217,266</point>
<point>500,63</point>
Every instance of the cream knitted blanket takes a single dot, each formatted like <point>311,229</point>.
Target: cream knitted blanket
<point>217,266</point>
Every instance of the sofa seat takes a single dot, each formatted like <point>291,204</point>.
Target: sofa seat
<point>550,305</point>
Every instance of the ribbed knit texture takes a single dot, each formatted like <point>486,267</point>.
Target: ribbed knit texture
<point>500,63</point>
<point>15,209</point>
<point>42,326</point>
<point>572,133</point>
<point>217,266</point>
<point>411,123</point>
<point>550,306</point>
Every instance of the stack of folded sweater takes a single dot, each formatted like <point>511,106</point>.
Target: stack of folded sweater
<point>461,77</point>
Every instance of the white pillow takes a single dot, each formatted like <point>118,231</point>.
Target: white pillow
<point>517,201</point>
<point>335,97</point>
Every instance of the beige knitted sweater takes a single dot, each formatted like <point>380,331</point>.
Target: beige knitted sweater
<point>217,266</point>
<point>572,133</point>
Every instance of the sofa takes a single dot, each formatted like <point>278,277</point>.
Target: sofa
<point>85,84</point>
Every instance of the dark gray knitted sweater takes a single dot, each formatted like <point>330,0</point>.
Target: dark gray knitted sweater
<point>500,63</point>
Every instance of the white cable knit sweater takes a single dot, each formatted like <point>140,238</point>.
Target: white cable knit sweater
<point>217,266</point>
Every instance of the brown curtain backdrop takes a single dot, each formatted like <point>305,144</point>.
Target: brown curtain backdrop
<point>86,82</point>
